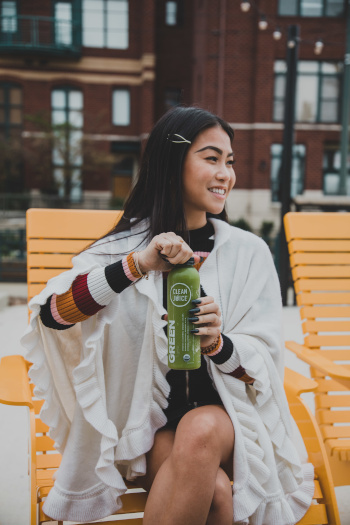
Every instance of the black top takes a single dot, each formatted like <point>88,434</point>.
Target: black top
<point>195,386</point>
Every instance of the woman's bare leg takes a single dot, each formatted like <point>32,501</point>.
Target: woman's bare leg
<point>187,472</point>
<point>221,509</point>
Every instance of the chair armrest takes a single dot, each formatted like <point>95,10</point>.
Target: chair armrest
<point>14,382</point>
<point>337,372</point>
<point>296,384</point>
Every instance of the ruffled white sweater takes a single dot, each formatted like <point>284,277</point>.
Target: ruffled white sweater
<point>104,384</point>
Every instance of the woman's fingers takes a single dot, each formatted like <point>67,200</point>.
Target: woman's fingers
<point>208,319</point>
<point>164,251</point>
<point>173,248</point>
<point>206,306</point>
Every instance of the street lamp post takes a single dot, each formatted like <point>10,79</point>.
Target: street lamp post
<point>287,153</point>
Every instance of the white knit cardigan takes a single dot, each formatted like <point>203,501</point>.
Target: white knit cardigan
<point>104,384</point>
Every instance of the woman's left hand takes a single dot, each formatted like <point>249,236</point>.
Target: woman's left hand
<point>209,320</point>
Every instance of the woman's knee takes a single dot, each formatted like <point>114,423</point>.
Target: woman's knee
<point>198,434</point>
<point>195,434</point>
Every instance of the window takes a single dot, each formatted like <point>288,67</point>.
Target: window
<point>121,107</point>
<point>63,23</point>
<point>10,138</point>
<point>173,13</point>
<point>8,17</point>
<point>317,91</point>
<point>10,110</point>
<point>106,23</point>
<point>298,170</point>
<point>67,123</point>
<point>331,170</point>
<point>311,7</point>
<point>125,167</point>
<point>172,98</point>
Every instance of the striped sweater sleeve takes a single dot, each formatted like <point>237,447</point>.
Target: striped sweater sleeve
<point>88,294</point>
<point>226,359</point>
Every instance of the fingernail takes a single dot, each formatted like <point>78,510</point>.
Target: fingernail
<point>194,311</point>
<point>196,301</point>
<point>193,319</point>
<point>194,331</point>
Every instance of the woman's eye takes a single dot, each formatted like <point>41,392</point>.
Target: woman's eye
<point>214,159</point>
<point>231,162</point>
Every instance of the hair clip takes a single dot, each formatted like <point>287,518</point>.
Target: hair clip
<point>178,141</point>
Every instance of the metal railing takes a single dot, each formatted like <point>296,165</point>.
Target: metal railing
<point>13,255</point>
<point>15,204</point>
<point>40,34</point>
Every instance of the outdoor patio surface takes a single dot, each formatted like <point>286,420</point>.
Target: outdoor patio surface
<point>14,480</point>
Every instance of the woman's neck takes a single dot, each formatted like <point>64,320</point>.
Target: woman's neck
<point>196,222</point>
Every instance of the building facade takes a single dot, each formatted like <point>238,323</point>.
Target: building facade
<point>83,81</point>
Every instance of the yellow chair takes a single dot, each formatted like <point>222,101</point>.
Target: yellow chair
<point>319,248</point>
<point>53,236</point>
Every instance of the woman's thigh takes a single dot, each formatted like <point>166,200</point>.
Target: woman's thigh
<point>202,423</point>
<point>161,450</point>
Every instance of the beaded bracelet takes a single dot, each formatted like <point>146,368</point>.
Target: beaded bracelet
<point>138,269</point>
<point>130,268</point>
<point>211,348</point>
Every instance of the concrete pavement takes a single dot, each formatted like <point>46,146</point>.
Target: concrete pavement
<point>14,480</point>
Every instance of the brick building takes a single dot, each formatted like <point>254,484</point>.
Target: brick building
<point>83,81</point>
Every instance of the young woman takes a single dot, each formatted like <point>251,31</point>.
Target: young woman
<point>98,342</point>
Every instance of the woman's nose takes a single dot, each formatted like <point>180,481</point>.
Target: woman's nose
<point>223,174</point>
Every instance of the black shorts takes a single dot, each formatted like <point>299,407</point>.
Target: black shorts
<point>176,414</point>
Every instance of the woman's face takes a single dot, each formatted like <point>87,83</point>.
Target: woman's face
<point>208,176</point>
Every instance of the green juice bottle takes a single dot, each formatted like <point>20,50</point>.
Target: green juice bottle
<point>183,347</point>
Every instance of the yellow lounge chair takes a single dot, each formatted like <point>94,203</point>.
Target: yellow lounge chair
<point>319,248</point>
<point>53,236</point>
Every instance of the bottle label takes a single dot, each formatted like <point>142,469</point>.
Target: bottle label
<point>180,294</point>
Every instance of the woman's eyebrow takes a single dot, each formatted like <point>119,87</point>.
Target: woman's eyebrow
<point>218,150</point>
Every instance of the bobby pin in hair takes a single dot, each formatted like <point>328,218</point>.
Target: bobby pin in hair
<point>171,138</point>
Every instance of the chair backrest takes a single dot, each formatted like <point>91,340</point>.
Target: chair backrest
<point>54,236</point>
<point>319,248</point>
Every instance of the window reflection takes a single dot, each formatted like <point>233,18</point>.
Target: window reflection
<point>311,7</point>
<point>331,170</point>
<point>298,170</point>
<point>67,157</point>
<point>63,23</point>
<point>121,107</point>
<point>8,15</point>
<point>106,23</point>
<point>317,91</point>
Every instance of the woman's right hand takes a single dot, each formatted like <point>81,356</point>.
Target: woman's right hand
<point>168,245</point>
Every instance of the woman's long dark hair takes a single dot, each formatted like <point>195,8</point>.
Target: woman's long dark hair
<point>157,194</point>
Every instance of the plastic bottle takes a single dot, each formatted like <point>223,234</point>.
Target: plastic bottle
<point>183,287</point>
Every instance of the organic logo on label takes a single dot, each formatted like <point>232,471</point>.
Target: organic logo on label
<point>186,357</point>
<point>180,294</point>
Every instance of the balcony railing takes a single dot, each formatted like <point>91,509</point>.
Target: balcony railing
<point>40,35</point>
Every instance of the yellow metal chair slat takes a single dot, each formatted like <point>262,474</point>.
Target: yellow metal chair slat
<point>325,326</point>
<point>305,299</point>
<point>319,249</point>
<point>66,232</point>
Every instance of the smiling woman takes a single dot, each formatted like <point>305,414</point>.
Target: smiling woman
<point>184,435</point>
<point>208,176</point>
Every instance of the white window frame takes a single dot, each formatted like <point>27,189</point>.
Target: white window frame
<point>121,107</point>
